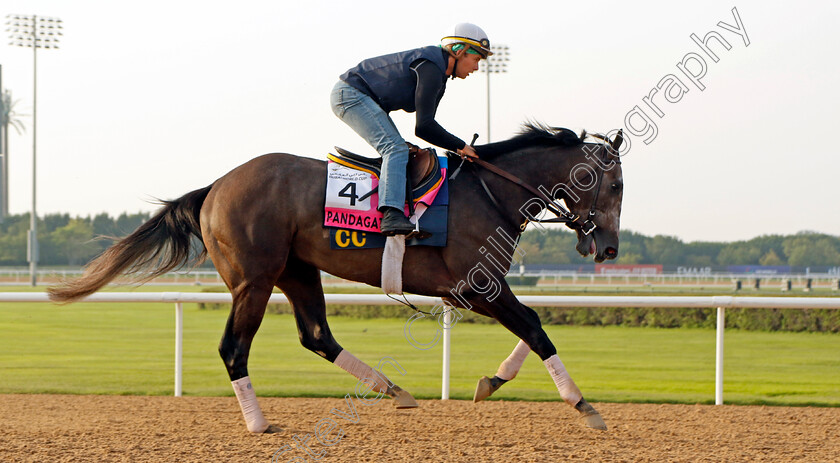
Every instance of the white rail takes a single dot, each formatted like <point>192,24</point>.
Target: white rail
<point>718,302</point>
<point>798,281</point>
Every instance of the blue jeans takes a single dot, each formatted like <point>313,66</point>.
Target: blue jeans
<point>372,123</point>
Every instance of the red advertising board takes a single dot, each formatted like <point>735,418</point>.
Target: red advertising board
<point>636,269</point>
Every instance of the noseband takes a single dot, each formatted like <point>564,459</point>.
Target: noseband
<point>574,221</point>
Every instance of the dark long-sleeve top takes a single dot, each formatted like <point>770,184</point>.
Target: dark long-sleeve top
<point>412,80</point>
<point>431,83</point>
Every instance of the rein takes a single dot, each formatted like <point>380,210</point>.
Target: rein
<point>570,219</point>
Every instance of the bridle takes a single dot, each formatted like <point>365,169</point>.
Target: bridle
<point>574,221</point>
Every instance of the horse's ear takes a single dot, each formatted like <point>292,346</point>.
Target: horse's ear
<point>617,141</point>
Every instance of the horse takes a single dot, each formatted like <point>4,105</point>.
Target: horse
<point>261,224</point>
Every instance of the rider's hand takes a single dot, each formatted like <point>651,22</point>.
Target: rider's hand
<point>467,151</point>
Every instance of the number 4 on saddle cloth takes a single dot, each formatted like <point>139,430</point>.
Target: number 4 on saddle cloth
<point>352,199</point>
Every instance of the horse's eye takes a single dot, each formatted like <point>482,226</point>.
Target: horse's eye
<point>615,187</point>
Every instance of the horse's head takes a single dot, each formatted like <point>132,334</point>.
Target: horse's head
<point>598,200</point>
<point>590,182</point>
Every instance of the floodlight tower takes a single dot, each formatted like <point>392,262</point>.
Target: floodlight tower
<point>496,63</point>
<point>33,32</point>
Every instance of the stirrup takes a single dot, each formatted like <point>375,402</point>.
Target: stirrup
<point>418,233</point>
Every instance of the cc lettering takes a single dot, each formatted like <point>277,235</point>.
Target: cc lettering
<point>342,238</point>
<point>356,242</point>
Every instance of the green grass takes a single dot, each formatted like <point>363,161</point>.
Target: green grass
<point>101,348</point>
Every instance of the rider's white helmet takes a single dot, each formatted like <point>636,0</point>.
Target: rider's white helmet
<point>470,35</point>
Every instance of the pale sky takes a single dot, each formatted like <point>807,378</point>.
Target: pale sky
<point>154,99</point>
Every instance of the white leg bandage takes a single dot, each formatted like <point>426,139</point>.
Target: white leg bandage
<point>248,402</point>
<point>392,261</point>
<point>567,388</point>
<point>349,363</point>
<point>510,367</point>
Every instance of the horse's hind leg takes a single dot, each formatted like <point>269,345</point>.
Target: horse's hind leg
<point>301,283</point>
<point>249,302</point>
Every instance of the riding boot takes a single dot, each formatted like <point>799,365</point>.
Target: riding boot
<point>394,222</point>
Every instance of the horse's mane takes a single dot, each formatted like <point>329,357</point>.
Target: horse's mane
<point>532,134</point>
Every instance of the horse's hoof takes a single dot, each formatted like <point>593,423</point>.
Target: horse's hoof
<point>403,399</point>
<point>483,389</point>
<point>594,421</point>
<point>486,387</point>
<point>591,418</point>
<point>271,429</point>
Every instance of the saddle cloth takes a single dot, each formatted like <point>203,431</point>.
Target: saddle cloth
<point>352,200</point>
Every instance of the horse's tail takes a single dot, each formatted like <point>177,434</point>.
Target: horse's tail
<point>161,244</point>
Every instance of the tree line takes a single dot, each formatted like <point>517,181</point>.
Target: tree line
<point>803,249</point>
<point>74,241</point>
<point>62,240</point>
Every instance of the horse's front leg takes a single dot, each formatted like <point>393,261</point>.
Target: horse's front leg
<point>506,372</point>
<point>525,324</point>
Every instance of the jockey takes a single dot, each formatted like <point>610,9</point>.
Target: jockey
<point>412,80</point>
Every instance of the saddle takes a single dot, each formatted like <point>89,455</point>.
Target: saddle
<point>423,172</point>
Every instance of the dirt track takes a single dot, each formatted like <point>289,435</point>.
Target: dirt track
<point>58,428</point>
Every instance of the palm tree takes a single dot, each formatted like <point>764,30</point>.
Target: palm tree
<point>8,117</point>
